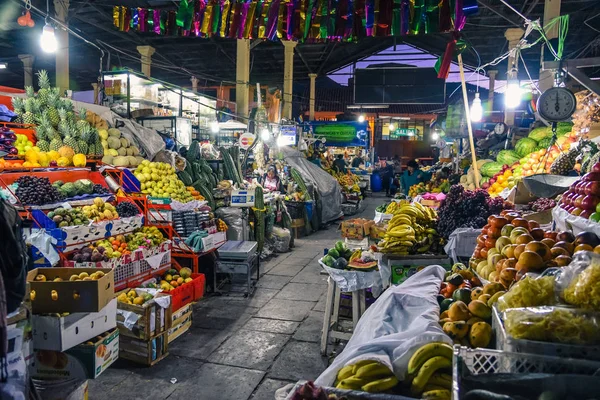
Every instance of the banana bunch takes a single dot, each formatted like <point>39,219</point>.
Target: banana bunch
<point>395,206</point>
<point>410,230</point>
<point>367,375</point>
<point>426,371</point>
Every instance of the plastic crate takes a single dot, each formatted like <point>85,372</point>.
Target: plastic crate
<point>482,361</point>
<point>507,343</point>
<point>295,209</point>
<point>199,283</point>
<point>182,295</point>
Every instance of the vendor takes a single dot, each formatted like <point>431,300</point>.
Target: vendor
<point>339,164</point>
<point>412,176</point>
<point>271,181</point>
<point>357,162</point>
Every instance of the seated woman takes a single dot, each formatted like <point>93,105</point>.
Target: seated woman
<point>271,181</point>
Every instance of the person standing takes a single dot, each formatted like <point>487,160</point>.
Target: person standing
<point>412,176</point>
<point>339,164</point>
<point>357,162</point>
<point>388,176</point>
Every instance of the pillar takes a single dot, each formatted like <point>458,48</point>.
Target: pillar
<point>288,77</point>
<point>61,8</point>
<point>194,84</point>
<point>513,35</point>
<point>242,76</point>
<point>311,112</point>
<point>492,85</point>
<point>551,10</point>
<point>96,91</point>
<point>27,60</point>
<point>146,53</point>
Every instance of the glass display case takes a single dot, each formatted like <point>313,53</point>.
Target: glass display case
<point>178,128</point>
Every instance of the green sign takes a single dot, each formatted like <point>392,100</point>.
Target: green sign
<point>402,132</point>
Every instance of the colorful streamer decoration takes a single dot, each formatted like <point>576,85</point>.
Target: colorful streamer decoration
<point>301,20</point>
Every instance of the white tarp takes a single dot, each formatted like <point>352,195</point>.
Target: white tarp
<point>568,222</point>
<point>330,193</point>
<point>401,320</point>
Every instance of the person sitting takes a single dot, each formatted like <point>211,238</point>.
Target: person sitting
<point>411,176</point>
<point>339,164</point>
<point>271,181</point>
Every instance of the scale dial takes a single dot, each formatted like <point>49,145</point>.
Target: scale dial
<point>500,128</point>
<point>556,104</point>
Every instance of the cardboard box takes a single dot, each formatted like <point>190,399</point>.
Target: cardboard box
<point>85,361</point>
<point>62,333</point>
<point>73,296</point>
<point>378,231</point>
<point>356,228</point>
<point>520,194</point>
<point>144,321</point>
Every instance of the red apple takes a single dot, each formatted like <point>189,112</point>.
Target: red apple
<point>593,188</point>
<point>589,202</point>
<point>592,176</point>
<point>586,213</point>
<point>587,188</point>
<point>596,167</point>
<point>570,208</point>
<point>578,200</point>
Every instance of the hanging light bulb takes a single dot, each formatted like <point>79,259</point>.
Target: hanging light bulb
<point>265,134</point>
<point>392,127</point>
<point>361,118</point>
<point>476,109</point>
<point>512,95</point>
<point>214,127</point>
<point>48,40</point>
<point>435,136</point>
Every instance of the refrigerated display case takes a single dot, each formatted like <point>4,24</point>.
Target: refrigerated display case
<point>178,128</point>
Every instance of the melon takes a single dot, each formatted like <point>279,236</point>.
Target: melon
<point>359,265</point>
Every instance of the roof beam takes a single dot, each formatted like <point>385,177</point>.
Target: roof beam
<point>303,59</point>
<point>485,4</point>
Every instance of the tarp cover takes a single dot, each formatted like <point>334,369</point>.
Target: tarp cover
<point>330,192</point>
<point>402,319</point>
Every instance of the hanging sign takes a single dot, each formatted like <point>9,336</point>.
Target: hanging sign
<point>246,140</point>
<point>288,135</point>
<point>339,134</point>
<point>403,132</point>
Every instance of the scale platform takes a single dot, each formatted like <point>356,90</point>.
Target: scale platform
<point>237,250</point>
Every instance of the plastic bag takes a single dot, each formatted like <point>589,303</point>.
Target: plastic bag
<point>529,292</point>
<point>45,244</point>
<point>233,218</point>
<point>553,324</point>
<point>281,239</point>
<point>349,281</point>
<point>579,282</point>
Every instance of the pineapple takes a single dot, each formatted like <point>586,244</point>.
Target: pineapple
<point>30,107</point>
<point>99,149</point>
<point>564,163</point>
<point>53,102</point>
<point>44,84</point>
<point>43,145</point>
<point>83,146</point>
<point>18,105</point>
<point>71,139</point>
<point>63,125</point>
<point>91,150</point>
<point>56,144</point>
<point>29,92</point>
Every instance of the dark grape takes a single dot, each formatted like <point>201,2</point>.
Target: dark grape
<point>37,191</point>
<point>127,209</point>
<point>99,189</point>
<point>541,204</point>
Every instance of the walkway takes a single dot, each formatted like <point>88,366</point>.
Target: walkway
<point>238,348</point>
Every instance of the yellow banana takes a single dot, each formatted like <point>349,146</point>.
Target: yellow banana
<point>353,382</point>
<point>345,372</point>
<point>372,370</point>
<point>442,394</point>
<point>380,385</point>
<point>362,363</point>
<point>427,352</point>
<point>429,368</point>
<point>440,379</point>
<point>429,387</point>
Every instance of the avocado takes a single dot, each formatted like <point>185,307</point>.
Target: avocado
<point>455,279</point>
<point>462,294</point>
<point>445,304</point>
<point>440,298</point>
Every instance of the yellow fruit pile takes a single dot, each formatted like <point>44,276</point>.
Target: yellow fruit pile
<point>160,180</point>
<point>429,371</point>
<point>133,297</point>
<point>64,157</point>
<point>100,211</point>
<point>172,280</point>
<point>366,375</point>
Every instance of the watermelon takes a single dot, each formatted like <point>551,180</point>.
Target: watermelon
<point>507,157</point>
<point>540,133</point>
<point>359,265</point>
<point>334,253</point>
<point>328,260</point>
<point>563,128</point>
<point>525,146</point>
<point>544,143</point>
<point>490,169</point>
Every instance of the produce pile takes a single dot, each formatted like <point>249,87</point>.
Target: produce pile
<point>411,230</point>
<point>348,181</point>
<point>127,209</point>
<point>79,188</point>
<point>17,144</point>
<point>100,211</point>
<point>200,176</point>
<point>173,279</point>
<point>583,197</point>
<point>541,204</point>
<point>68,217</point>
<point>115,247</point>
<point>159,180</point>
<point>466,209</point>
<point>32,190</point>
<point>510,246</point>
<point>442,186</point>
<point>133,297</point>
<point>340,257</point>
<point>368,375</point>
<point>82,276</point>
<point>466,307</point>
<point>59,128</point>
<point>118,151</point>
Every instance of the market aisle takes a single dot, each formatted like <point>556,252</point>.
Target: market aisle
<point>240,348</point>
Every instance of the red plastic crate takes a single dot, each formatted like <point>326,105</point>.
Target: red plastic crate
<point>182,295</point>
<point>199,283</point>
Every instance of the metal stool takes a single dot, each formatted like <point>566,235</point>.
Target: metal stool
<point>331,326</point>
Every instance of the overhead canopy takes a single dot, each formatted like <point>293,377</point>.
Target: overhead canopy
<point>232,125</point>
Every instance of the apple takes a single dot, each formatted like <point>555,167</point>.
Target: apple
<point>578,201</point>
<point>585,214</point>
<point>589,202</point>
<point>593,188</point>
<point>592,176</point>
<point>598,208</point>
<point>595,216</point>
<point>596,167</point>
<point>587,188</point>
<point>576,211</point>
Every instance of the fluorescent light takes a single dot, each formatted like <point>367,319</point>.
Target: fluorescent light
<point>48,39</point>
<point>435,136</point>
<point>512,95</point>
<point>476,109</point>
<point>361,118</point>
<point>3,65</point>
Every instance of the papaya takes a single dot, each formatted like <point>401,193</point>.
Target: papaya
<point>476,292</point>
<point>458,311</point>
<point>492,288</point>
<point>456,329</point>
<point>480,335</point>
<point>480,309</point>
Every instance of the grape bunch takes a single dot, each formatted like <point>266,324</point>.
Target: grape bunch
<point>37,191</point>
<point>99,189</point>
<point>541,204</point>
<point>127,209</point>
<point>466,209</point>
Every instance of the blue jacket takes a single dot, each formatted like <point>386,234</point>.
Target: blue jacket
<point>407,180</point>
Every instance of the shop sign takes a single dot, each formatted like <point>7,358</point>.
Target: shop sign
<point>403,132</point>
<point>246,140</point>
<point>339,134</point>
<point>288,135</point>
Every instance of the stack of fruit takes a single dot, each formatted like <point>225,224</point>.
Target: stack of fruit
<point>173,279</point>
<point>411,231</point>
<point>68,217</point>
<point>510,246</point>
<point>22,144</point>
<point>71,189</point>
<point>429,371</point>
<point>159,180</point>
<point>37,191</point>
<point>127,209</point>
<point>505,178</point>
<point>133,297</point>
<point>83,276</point>
<point>118,151</point>
<point>7,141</point>
<point>100,211</point>
<point>366,375</point>
<point>58,126</point>
<point>583,197</point>
<point>441,186</point>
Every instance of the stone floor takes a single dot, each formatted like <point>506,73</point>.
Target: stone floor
<point>238,348</point>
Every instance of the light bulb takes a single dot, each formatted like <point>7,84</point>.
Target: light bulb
<point>435,136</point>
<point>265,134</point>
<point>361,118</point>
<point>214,127</point>
<point>476,109</point>
<point>280,141</point>
<point>392,127</point>
<point>512,95</point>
<point>48,40</point>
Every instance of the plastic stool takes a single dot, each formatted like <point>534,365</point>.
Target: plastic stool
<point>331,328</point>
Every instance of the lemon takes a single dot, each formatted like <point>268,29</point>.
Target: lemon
<point>138,300</point>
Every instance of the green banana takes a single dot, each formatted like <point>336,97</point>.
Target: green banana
<point>427,352</point>
<point>380,385</point>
